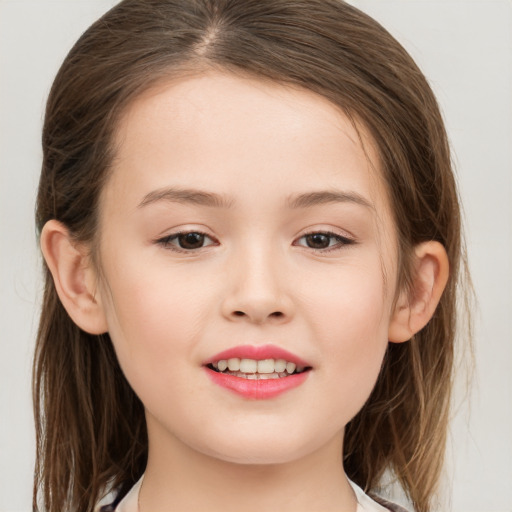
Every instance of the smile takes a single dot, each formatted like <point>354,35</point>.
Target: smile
<point>257,372</point>
<point>254,369</point>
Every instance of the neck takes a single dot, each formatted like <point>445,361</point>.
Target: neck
<point>180,478</point>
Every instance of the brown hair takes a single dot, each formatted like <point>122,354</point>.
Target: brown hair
<point>90,426</point>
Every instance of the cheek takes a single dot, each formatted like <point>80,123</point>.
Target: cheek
<point>352,305</point>
<point>155,316</point>
<point>351,326</point>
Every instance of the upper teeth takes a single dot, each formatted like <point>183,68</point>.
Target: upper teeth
<point>235,364</point>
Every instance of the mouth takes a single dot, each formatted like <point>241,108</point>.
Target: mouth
<point>257,369</point>
<point>257,372</point>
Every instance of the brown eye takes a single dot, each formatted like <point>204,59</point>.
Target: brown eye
<point>191,240</point>
<point>323,241</point>
<point>186,241</point>
<point>318,240</point>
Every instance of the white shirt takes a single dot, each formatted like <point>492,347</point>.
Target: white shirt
<point>364,503</point>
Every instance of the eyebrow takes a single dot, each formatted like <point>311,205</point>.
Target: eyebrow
<point>311,199</point>
<point>186,195</point>
<point>202,198</point>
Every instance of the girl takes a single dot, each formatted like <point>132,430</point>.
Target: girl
<point>252,242</point>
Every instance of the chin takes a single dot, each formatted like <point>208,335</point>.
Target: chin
<point>261,448</point>
<point>249,457</point>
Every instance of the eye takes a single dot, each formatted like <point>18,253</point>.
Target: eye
<point>323,240</point>
<point>186,241</point>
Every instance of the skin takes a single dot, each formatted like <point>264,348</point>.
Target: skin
<point>258,146</point>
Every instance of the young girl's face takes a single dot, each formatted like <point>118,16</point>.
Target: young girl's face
<point>243,221</point>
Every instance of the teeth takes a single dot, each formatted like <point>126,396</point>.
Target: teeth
<point>257,376</point>
<point>266,366</point>
<point>290,367</point>
<point>280,365</point>
<point>267,376</point>
<point>248,365</point>
<point>253,369</point>
<point>234,364</point>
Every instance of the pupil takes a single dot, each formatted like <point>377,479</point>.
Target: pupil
<point>191,240</point>
<point>318,241</point>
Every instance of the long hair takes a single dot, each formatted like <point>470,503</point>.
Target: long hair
<point>90,425</point>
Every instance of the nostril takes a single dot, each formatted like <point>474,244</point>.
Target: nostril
<point>275,314</point>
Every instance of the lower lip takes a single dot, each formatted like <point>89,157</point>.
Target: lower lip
<point>258,389</point>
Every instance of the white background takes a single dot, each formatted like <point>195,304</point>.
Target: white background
<point>463,46</point>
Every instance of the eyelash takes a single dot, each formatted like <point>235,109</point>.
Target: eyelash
<point>166,241</point>
<point>341,241</point>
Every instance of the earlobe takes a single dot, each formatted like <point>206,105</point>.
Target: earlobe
<point>74,277</point>
<point>414,308</point>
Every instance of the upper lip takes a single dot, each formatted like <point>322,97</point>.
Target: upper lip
<point>257,352</point>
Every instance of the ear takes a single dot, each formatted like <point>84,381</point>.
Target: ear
<point>414,308</point>
<point>75,279</point>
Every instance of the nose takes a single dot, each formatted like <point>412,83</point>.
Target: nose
<point>257,291</point>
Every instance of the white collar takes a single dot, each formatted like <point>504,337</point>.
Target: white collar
<point>364,503</point>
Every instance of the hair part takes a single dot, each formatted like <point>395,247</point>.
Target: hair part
<point>90,425</point>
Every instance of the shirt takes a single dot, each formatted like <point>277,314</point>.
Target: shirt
<point>364,503</point>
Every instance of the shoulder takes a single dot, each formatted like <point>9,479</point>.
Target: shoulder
<point>372,503</point>
<point>124,502</point>
<point>392,507</point>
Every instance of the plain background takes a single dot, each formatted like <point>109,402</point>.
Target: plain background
<point>465,49</point>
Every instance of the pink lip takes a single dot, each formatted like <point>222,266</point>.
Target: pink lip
<point>257,389</point>
<point>257,352</point>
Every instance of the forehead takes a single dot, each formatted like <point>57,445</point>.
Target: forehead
<point>237,135</point>
<point>224,120</point>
